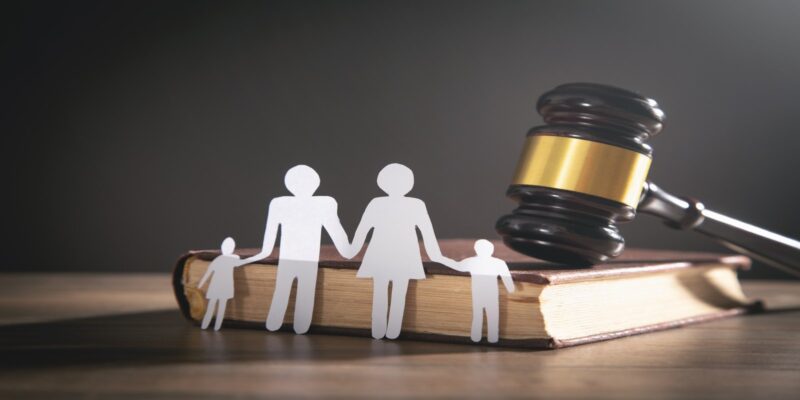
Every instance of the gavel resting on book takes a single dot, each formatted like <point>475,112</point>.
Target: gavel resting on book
<point>585,171</point>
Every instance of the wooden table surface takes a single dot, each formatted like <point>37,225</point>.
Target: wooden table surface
<point>121,336</point>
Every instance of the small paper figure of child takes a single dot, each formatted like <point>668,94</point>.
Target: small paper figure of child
<point>485,270</point>
<point>220,290</point>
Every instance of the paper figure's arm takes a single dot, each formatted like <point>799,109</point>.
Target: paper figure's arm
<point>456,265</point>
<point>335,230</point>
<point>207,275</point>
<point>429,241</point>
<point>364,226</point>
<point>270,235</point>
<point>505,275</point>
<point>241,262</point>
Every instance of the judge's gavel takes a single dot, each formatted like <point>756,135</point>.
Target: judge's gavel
<point>585,171</point>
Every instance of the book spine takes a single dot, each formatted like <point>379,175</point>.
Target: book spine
<point>177,286</point>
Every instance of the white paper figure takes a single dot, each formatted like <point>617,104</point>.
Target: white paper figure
<point>220,289</point>
<point>393,254</point>
<point>485,270</point>
<point>300,219</point>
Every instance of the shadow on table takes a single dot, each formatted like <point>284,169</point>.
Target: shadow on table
<point>165,337</point>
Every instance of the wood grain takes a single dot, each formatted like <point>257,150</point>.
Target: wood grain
<point>121,336</point>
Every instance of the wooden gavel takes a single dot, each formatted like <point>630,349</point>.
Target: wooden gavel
<point>585,171</point>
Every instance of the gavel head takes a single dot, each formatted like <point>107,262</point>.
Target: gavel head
<point>581,174</point>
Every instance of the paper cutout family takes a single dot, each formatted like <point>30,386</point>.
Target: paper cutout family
<point>392,255</point>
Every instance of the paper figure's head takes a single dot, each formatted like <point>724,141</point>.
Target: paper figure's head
<point>301,180</point>
<point>484,248</point>
<point>228,245</point>
<point>396,179</point>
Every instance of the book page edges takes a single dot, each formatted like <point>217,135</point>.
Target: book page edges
<point>609,305</point>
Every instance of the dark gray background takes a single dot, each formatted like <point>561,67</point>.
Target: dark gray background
<point>133,131</point>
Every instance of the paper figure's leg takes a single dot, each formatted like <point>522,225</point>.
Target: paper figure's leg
<point>280,299</point>
<point>304,300</point>
<point>397,308</point>
<point>209,313</point>
<point>477,322</point>
<point>493,321</point>
<point>380,305</point>
<point>221,304</point>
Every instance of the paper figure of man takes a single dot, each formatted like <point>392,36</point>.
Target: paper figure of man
<point>220,290</point>
<point>300,219</point>
<point>485,270</point>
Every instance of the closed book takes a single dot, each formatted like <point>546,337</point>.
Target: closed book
<point>552,306</point>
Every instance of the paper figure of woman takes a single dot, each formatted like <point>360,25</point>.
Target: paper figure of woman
<point>393,253</point>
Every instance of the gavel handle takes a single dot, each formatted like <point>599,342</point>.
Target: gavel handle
<point>690,214</point>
